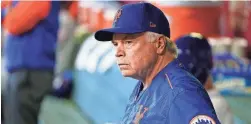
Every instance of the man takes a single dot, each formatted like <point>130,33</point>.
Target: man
<point>196,55</point>
<point>165,93</point>
<point>29,48</point>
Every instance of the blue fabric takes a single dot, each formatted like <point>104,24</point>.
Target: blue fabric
<point>174,97</point>
<point>195,53</point>
<point>68,75</point>
<point>34,49</point>
<point>136,18</point>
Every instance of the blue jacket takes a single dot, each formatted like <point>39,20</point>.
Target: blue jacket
<point>34,49</point>
<point>174,97</point>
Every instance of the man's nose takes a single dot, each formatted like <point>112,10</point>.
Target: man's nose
<point>120,51</point>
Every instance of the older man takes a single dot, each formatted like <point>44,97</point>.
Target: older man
<point>166,93</point>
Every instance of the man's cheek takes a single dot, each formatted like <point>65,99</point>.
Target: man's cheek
<point>137,58</point>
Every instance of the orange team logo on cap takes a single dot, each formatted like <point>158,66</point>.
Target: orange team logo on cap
<point>152,25</point>
<point>117,16</point>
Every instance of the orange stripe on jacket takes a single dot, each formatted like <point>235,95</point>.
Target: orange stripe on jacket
<point>25,15</point>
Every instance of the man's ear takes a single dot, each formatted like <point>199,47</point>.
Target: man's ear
<point>161,45</point>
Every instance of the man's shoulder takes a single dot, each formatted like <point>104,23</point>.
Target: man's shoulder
<point>180,83</point>
<point>175,81</point>
<point>181,79</point>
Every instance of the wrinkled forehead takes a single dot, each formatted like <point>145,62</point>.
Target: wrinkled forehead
<point>120,37</point>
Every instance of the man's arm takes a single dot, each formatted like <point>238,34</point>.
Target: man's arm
<point>4,9</point>
<point>192,107</point>
<point>73,9</point>
<point>25,15</point>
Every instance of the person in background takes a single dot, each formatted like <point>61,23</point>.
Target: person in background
<point>68,20</point>
<point>195,53</point>
<point>63,79</point>
<point>29,51</point>
<point>240,17</point>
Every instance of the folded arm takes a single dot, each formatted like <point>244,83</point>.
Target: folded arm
<point>25,15</point>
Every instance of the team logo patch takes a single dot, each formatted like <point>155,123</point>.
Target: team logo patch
<point>152,25</point>
<point>117,16</point>
<point>202,119</point>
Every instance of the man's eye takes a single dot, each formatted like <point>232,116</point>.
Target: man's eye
<point>128,42</point>
<point>115,44</point>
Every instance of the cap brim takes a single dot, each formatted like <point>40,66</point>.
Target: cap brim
<point>107,34</point>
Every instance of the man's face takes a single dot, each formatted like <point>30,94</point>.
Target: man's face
<point>135,56</point>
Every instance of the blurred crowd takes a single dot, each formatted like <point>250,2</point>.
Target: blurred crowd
<point>48,48</point>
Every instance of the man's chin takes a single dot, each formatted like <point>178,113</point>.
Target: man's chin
<point>126,74</point>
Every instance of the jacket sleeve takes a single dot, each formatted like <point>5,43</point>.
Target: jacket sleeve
<point>73,9</point>
<point>192,107</point>
<point>25,15</point>
<point>4,9</point>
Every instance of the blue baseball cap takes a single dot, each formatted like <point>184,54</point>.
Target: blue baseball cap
<point>195,53</point>
<point>136,18</point>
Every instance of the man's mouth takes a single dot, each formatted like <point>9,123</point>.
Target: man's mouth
<point>123,66</point>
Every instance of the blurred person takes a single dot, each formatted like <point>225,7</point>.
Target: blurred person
<point>165,92</point>
<point>68,24</point>
<point>239,11</point>
<point>196,55</point>
<point>240,16</point>
<point>67,48</point>
<point>29,49</point>
<point>68,20</point>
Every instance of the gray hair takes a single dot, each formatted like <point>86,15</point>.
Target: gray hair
<point>170,45</point>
